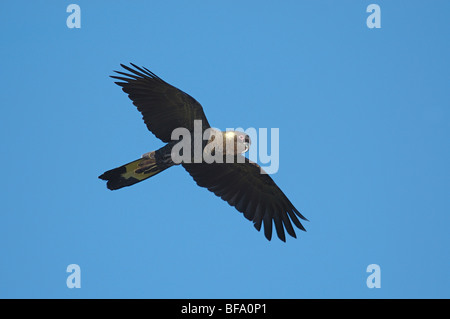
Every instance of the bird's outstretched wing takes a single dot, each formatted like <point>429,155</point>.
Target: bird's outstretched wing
<point>163,106</point>
<point>254,194</point>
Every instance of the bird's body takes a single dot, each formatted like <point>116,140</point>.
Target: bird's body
<point>221,167</point>
<point>225,146</point>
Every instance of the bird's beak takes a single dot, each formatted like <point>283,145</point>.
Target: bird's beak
<point>247,147</point>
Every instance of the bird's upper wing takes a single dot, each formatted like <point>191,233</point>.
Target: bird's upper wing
<point>163,106</point>
<point>254,194</point>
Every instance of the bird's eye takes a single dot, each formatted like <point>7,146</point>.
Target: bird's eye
<point>241,137</point>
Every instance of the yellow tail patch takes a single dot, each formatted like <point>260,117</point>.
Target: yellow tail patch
<point>131,168</point>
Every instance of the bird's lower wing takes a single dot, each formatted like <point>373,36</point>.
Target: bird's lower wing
<point>254,194</point>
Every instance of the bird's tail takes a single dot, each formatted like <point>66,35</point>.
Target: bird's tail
<point>134,172</point>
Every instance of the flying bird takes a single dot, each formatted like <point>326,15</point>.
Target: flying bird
<point>242,183</point>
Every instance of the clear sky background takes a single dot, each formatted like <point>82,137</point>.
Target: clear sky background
<point>364,120</point>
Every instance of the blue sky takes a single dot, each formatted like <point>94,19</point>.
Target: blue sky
<point>363,116</point>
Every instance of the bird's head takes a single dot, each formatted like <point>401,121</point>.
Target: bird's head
<point>240,140</point>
